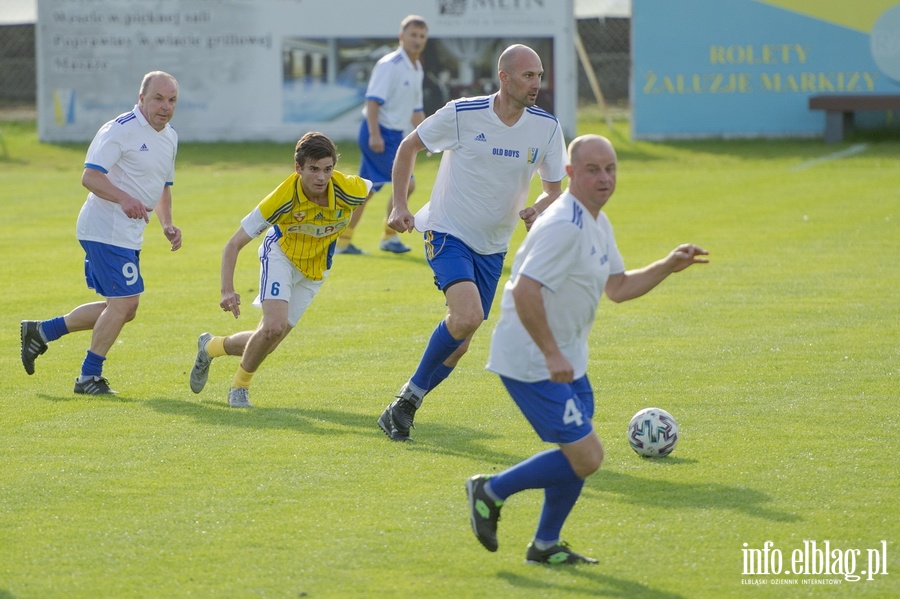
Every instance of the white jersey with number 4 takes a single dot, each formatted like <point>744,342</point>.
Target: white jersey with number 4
<point>486,169</point>
<point>571,255</point>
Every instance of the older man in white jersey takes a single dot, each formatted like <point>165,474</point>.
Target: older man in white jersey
<point>492,147</point>
<point>540,346</point>
<point>129,170</point>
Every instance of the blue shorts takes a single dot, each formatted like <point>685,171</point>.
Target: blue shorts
<point>453,261</point>
<point>559,412</point>
<point>112,271</point>
<point>374,166</point>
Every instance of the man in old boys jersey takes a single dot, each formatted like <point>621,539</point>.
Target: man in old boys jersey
<point>492,147</point>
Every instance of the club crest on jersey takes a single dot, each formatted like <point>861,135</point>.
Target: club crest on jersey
<point>532,155</point>
<point>300,216</point>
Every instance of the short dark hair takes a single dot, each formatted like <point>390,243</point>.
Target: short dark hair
<point>413,21</point>
<point>314,146</point>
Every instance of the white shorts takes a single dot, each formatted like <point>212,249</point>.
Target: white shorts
<point>280,279</point>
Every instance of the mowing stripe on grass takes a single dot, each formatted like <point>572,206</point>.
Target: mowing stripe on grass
<point>851,151</point>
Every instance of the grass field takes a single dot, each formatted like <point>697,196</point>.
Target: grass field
<point>779,360</point>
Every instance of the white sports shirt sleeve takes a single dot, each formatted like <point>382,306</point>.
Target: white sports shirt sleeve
<point>572,256</point>
<point>486,169</point>
<point>139,160</point>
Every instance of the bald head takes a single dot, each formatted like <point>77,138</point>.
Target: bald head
<point>151,77</point>
<point>592,171</point>
<point>520,72</point>
<point>157,98</point>
<point>515,55</point>
<point>589,143</point>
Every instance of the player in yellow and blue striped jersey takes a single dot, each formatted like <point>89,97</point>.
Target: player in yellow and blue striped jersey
<point>304,216</point>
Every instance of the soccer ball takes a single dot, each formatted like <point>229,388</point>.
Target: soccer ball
<point>653,432</point>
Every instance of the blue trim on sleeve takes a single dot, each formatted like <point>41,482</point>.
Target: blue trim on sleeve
<point>479,104</point>
<point>96,167</point>
<point>124,118</point>
<point>537,111</point>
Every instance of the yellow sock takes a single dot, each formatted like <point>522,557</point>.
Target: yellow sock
<point>388,232</point>
<point>345,238</point>
<point>242,379</point>
<point>215,347</point>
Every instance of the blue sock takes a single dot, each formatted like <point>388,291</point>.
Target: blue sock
<point>54,328</point>
<point>92,365</point>
<point>540,471</point>
<point>439,348</point>
<point>439,376</point>
<point>558,502</point>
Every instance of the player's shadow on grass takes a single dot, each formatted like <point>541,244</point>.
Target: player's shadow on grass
<point>594,584</point>
<point>463,442</point>
<point>114,399</point>
<point>654,492</point>
<point>316,420</point>
<point>312,421</point>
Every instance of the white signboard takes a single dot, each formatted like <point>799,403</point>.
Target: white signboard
<point>274,69</point>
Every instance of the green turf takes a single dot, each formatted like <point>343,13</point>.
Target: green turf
<point>779,360</point>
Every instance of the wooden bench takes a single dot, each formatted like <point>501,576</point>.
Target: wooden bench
<point>839,109</point>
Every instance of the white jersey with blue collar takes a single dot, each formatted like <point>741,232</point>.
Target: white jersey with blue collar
<point>139,160</point>
<point>571,255</point>
<point>396,85</point>
<point>486,169</point>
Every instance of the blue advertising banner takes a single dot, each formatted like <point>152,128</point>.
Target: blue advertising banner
<point>746,68</point>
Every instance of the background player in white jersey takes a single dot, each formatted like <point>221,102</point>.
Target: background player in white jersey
<point>304,216</point>
<point>492,146</point>
<point>394,105</point>
<point>540,345</point>
<point>128,170</point>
